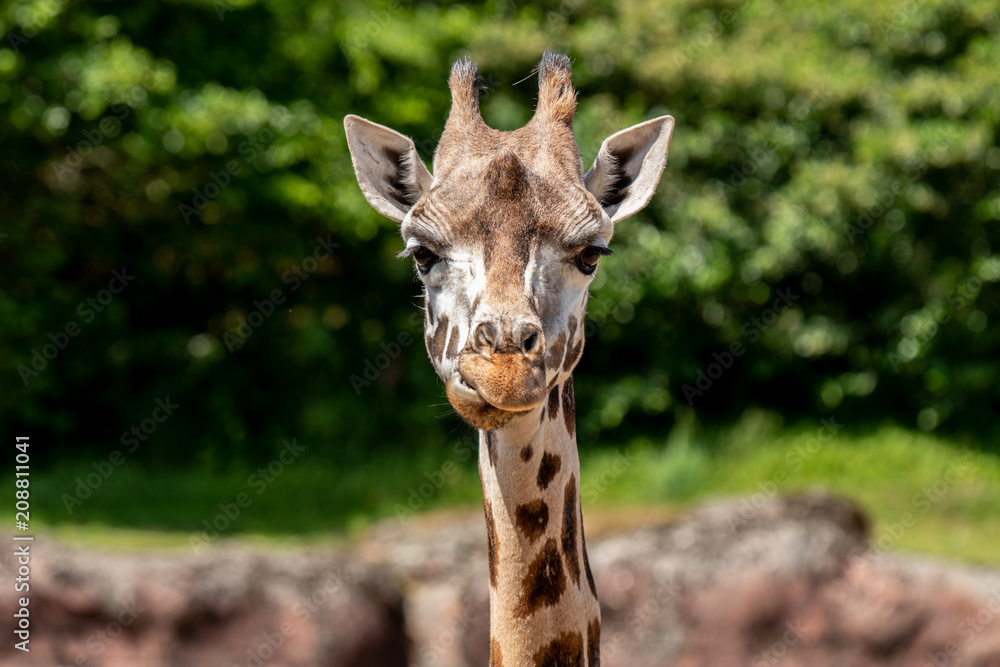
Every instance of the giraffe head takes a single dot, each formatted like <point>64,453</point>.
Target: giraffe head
<point>507,234</point>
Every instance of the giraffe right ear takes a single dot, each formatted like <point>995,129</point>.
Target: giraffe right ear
<point>389,170</point>
<point>628,167</point>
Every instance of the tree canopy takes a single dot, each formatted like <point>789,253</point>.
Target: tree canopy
<point>180,220</point>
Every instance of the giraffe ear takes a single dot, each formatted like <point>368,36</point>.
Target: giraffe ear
<point>390,173</point>
<point>628,167</point>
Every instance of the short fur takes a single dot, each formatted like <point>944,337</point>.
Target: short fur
<point>499,233</point>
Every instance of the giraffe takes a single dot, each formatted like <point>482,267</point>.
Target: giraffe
<point>506,236</point>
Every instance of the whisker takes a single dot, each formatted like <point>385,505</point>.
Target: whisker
<point>533,73</point>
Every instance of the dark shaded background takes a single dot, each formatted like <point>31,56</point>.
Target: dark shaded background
<point>843,154</point>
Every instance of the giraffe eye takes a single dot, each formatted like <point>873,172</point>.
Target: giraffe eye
<point>587,260</point>
<point>425,259</point>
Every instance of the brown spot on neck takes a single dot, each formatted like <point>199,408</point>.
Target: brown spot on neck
<point>569,406</point>
<point>594,643</point>
<point>526,453</point>
<point>586,561</point>
<point>547,469</point>
<point>545,582</point>
<point>532,519</point>
<point>496,659</point>
<point>491,539</point>
<point>569,548</point>
<point>566,650</point>
<point>553,402</point>
<point>491,447</point>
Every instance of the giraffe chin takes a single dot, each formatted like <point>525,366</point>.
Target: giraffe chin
<point>474,408</point>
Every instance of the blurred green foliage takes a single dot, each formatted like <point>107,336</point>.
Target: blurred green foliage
<point>845,154</point>
<point>949,491</point>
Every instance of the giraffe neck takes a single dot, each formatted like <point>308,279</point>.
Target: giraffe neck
<point>543,603</point>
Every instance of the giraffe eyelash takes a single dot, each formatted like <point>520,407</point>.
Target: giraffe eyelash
<point>416,243</point>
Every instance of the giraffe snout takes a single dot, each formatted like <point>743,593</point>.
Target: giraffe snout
<point>524,338</point>
<point>504,363</point>
<point>511,381</point>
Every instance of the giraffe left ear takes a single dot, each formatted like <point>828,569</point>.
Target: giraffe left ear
<point>628,167</point>
<point>389,170</point>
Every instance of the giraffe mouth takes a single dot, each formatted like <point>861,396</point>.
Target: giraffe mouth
<point>476,407</point>
<point>471,385</point>
<point>472,407</point>
<point>463,390</point>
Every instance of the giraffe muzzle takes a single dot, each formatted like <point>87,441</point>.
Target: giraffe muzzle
<point>489,389</point>
<point>513,382</point>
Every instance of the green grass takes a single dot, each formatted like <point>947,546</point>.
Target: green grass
<point>923,494</point>
<point>899,477</point>
<point>305,501</point>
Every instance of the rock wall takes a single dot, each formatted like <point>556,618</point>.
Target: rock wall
<point>224,608</point>
<point>791,582</point>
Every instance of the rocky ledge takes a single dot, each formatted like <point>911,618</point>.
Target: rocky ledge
<point>792,582</point>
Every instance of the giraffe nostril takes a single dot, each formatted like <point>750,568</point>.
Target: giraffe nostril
<point>531,338</point>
